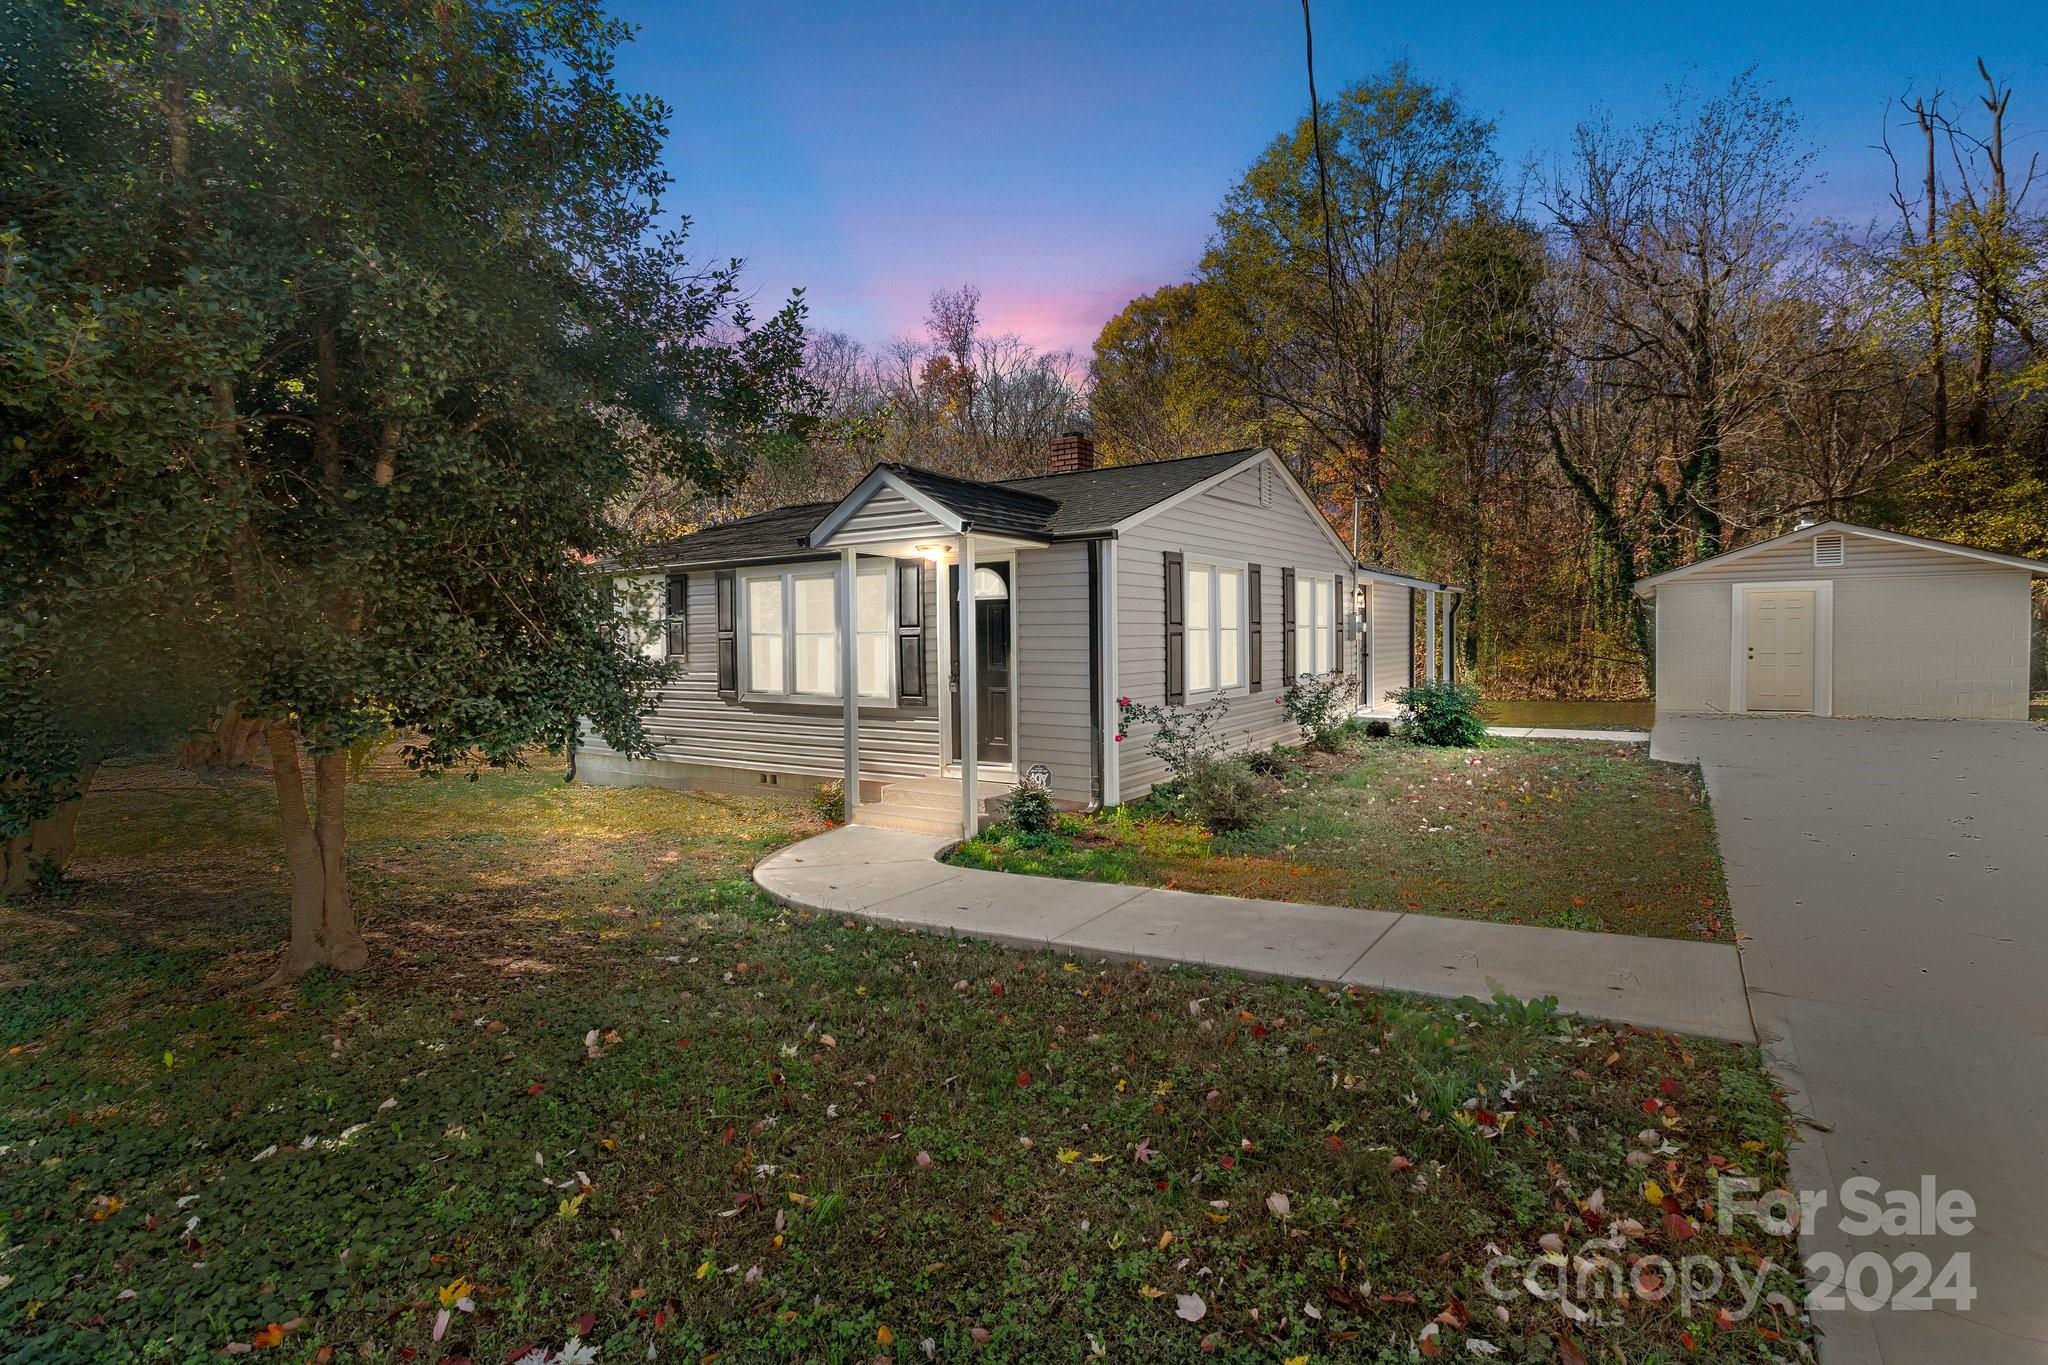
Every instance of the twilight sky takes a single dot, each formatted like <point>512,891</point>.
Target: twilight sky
<point>1066,156</point>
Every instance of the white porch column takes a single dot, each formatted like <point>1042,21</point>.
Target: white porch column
<point>849,673</point>
<point>1429,638</point>
<point>963,638</point>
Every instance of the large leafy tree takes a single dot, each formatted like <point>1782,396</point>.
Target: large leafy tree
<point>1156,392</point>
<point>1323,328</point>
<point>330,331</point>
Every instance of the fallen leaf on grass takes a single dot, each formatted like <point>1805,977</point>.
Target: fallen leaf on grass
<point>1190,1308</point>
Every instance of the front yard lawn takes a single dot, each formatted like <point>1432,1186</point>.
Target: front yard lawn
<point>1562,833</point>
<point>593,1085</point>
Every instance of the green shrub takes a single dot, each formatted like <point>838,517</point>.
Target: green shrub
<point>1029,808</point>
<point>828,799</point>
<point>1442,713</point>
<point>1321,704</point>
<point>1227,795</point>
<point>1184,737</point>
<point>1276,762</point>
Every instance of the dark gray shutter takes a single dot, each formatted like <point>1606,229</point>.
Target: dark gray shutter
<point>910,632</point>
<point>1337,624</point>
<point>728,636</point>
<point>1255,627</point>
<point>1287,660</point>
<point>1176,629</point>
<point>677,627</point>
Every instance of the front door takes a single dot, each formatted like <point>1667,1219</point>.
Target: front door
<point>991,661</point>
<point>1778,670</point>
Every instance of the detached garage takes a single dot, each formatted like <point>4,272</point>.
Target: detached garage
<point>1842,620</point>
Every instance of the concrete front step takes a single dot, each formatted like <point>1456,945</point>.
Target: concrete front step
<point>929,805</point>
<point>910,819</point>
<point>943,793</point>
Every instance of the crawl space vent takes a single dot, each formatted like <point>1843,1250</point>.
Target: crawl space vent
<point>1827,552</point>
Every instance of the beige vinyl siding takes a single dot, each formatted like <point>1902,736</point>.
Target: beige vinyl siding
<point>691,724</point>
<point>1862,557</point>
<point>1225,526</point>
<point>1050,650</point>
<point>1393,642</point>
<point>1241,488</point>
<point>886,515</point>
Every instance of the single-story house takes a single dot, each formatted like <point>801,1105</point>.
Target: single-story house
<point>1833,619</point>
<point>1179,582</point>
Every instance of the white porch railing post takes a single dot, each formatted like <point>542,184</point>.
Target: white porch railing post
<point>1429,637</point>
<point>849,673</point>
<point>970,802</point>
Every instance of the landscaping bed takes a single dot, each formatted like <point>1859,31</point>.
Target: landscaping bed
<point>1563,834</point>
<point>594,1086</point>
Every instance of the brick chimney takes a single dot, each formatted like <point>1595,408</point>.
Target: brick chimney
<point>1072,452</point>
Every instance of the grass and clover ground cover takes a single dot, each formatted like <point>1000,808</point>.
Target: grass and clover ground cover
<point>1563,834</point>
<point>595,1086</point>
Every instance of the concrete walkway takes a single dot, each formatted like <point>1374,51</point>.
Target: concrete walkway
<point>1891,878</point>
<point>894,878</point>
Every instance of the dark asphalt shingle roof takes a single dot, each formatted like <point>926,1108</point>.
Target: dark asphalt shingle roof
<point>1052,506</point>
<point>993,507</point>
<point>776,535</point>
<point>1097,499</point>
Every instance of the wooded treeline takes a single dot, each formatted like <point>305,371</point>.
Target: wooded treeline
<point>1638,354</point>
<point>1541,385</point>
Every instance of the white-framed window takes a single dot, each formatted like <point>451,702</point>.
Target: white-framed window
<point>789,625</point>
<point>1215,627</point>
<point>1314,624</point>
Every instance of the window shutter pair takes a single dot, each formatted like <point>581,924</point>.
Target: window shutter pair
<point>1255,621</point>
<point>1288,671</point>
<point>910,632</point>
<point>728,635</point>
<point>677,609</point>
<point>1176,629</point>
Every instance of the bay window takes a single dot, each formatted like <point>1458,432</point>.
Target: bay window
<point>790,621</point>
<point>1215,627</point>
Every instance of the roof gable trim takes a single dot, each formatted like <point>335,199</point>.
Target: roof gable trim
<point>1265,454</point>
<point>2036,567</point>
<point>880,477</point>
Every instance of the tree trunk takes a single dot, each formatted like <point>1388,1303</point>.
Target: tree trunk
<point>231,744</point>
<point>52,839</point>
<point>325,932</point>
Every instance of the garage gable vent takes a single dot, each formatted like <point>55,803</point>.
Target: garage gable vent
<point>1827,552</point>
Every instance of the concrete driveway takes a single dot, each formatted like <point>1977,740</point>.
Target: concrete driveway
<point>1892,880</point>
